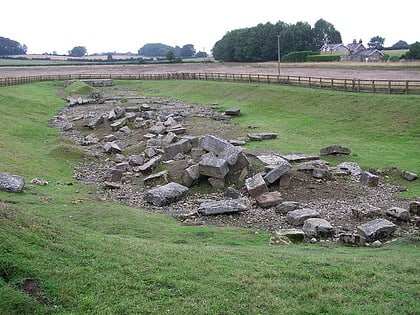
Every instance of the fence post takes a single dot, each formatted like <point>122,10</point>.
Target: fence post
<point>373,86</point>
<point>406,87</point>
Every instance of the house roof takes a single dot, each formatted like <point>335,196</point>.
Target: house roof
<point>368,52</point>
<point>355,46</point>
<point>332,47</point>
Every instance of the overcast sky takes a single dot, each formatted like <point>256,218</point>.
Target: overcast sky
<point>127,25</point>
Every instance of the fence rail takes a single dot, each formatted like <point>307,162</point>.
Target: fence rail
<point>347,85</point>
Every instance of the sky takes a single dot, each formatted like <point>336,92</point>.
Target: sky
<point>48,26</point>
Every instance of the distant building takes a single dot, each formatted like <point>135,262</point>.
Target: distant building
<point>354,51</point>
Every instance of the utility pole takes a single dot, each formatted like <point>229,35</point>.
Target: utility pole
<point>278,53</point>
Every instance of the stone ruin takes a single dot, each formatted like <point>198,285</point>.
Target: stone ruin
<point>171,162</point>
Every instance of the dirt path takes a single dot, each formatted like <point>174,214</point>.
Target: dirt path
<point>263,68</point>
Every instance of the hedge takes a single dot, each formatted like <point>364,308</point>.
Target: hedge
<point>323,58</point>
<point>297,56</point>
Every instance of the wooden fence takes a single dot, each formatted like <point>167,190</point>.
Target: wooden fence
<point>347,85</point>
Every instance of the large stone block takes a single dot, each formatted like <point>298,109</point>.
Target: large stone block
<point>376,229</point>
<point>212,166</point>
<point>223,206</point>
<point>166,194</point>
<point>213,144</point>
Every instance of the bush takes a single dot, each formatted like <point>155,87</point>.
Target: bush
<point>323,58</point>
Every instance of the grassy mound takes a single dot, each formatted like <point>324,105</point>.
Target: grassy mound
<point>78,88</point>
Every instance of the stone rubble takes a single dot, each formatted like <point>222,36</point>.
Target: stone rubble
<point>283,195</point>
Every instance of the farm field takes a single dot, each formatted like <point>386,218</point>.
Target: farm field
<point>86,254</point>
<point>377,71</point>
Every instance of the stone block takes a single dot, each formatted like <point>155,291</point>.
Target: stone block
<point>321,173</point>
<point>213,144</point>
<point>278,171</point>
<point>299,216</point>
<point>399,213</point>
<point>190,175</point>
<point>233,111</point>
<point>334,150</point>
<point>318,228</point>
<point>415,207</point>
<point>119,123</point>
<point>212,166</point>
<point>294,235</point>
<point>376,229</point>
<point>176,169</point>
<point>216,183</point>
<point>221,207</point>
<point>166,194</point>
<point>287,206</point>
<point>408,175</point>
<point>156,179</point>
<point>369,179</point>
<point>256,185</point>
<point>261,136</point>
<point>96,121</point>
<point>112,147</point>
<point>366,212</point>
<point>269,199</point>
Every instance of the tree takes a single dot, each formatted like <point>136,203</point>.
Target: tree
<point>154,50</point>
<point>78,51</point>
<point>11,47</point>
<point>400,45</point>
<point>376,42</point>
<point>170,55</point>
<point>187,51</point>
<point>325,33</point>
<point>201,54</point>
<point>413,51</point>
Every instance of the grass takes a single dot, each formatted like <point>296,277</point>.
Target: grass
<point>93,256</point>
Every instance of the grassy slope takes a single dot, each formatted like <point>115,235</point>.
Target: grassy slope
<point>91,256</point>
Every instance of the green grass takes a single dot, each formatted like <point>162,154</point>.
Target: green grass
<point>93,256</point>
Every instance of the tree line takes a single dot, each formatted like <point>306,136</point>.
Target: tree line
<point>11,47</point>
<point>261,43</point>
